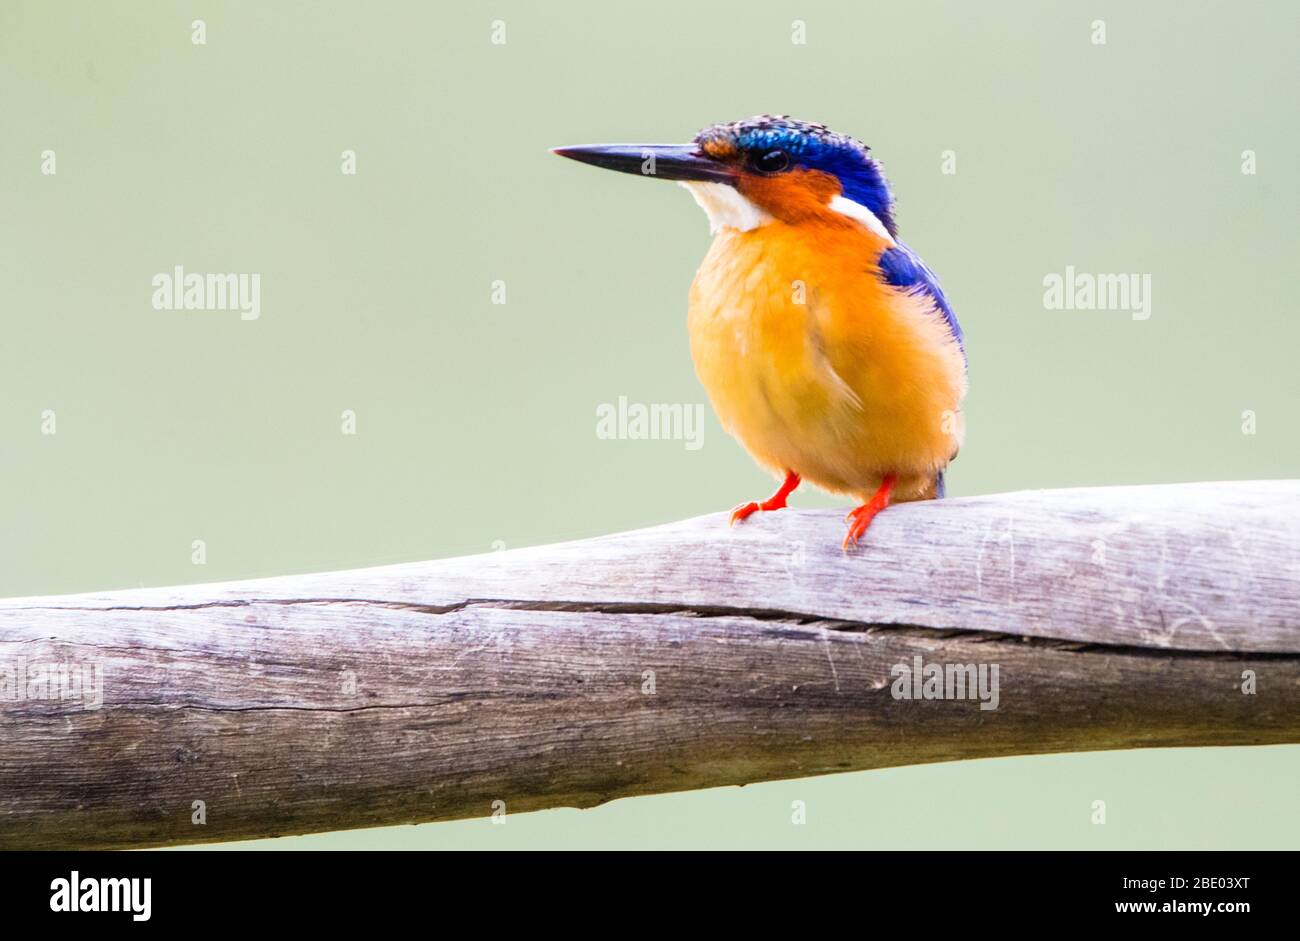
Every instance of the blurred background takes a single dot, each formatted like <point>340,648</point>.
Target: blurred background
<point>472,300</point>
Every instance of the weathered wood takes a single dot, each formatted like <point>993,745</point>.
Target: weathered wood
<point>678,657</point>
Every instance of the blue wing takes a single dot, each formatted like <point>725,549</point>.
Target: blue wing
<point>903,268</point>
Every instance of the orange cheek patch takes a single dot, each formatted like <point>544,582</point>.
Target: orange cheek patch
<point>791,197</point>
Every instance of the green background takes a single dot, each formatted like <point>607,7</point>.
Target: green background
<point>476,421</point>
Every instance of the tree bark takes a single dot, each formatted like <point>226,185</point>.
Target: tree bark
<point>679,657</point>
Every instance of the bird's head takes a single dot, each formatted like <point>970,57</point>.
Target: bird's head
<point>748,173</point>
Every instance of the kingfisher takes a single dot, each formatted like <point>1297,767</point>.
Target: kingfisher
<point>825,344</point>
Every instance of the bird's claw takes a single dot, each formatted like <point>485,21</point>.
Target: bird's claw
<point>775,502</point>
<point>860,517</point>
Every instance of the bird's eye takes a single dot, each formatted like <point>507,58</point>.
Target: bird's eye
<point>774,161</point>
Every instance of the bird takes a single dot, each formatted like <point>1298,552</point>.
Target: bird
<point>825,344</point>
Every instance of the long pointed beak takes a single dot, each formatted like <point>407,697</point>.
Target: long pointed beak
<point>659,161</point>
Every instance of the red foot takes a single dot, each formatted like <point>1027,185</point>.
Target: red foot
<point>775,502</point>
<point>861,518</point>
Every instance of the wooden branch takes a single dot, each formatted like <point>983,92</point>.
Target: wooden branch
<point>684,656</point>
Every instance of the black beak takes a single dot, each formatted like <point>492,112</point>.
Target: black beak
<point>660,161</point>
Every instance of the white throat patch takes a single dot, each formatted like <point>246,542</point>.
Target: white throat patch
<point>726,207</point>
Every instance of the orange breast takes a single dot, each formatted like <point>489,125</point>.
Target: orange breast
<point>819,367</point>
